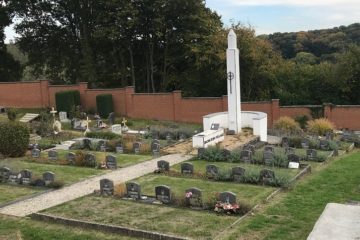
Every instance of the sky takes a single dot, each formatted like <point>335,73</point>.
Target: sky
<point>269,16</point>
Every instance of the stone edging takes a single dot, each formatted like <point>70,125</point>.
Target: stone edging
<point>105,227</point>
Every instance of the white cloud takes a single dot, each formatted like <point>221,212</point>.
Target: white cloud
<point>291,2</point>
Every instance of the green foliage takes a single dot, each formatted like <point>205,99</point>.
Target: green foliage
<point>104,104</point>
<point>302,120</point>
<point>103,135</point>
<point>213,154</point>
<point>56,184</point>
<point>66,101</point>
<point>14,139</point>
<point>44,128</point>
<point>11,113</point>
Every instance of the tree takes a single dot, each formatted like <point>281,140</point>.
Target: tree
<point>10,69</point>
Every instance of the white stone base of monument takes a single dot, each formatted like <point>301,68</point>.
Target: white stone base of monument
<point>255,120</point>
<point>208,138</point>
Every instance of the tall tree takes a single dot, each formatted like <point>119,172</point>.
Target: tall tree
<point>10,69</point>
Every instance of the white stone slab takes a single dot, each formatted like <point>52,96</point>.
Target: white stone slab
<point>208,138</point>
<point>294,165</point>
<point>28,117</point>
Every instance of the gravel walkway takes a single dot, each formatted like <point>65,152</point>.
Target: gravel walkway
<point>86,187</point>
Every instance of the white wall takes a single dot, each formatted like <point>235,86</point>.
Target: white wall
<point>255,120</point>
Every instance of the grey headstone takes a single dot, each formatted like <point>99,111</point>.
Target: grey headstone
<point>226,154</point>
<point>48,177</point>
<point>163,165</point>
<point>311,154</point>
<point>246,156</point>
<point>268,158</point>
<point>119,149</point>
<point>250,147</point>
<point>215,126</point>
<point>70,157</point>
<point>106,187</point>
<point>212,170</point>
<point>25,176</point>
<point>289,150</point>
<point>86,143</point>
<point>266,176</point>
<point>227,197</point>
<point>169,136</point>
<point>35,153</point>
<point>269,148</point>
<point>305,143</point>
<point>237,173</point>
<point>194,197</point>
<point>155,148</point>
<point>187,168</point>
<point>329,136</point>
<point>163,193</point>
<point>53,155</point>
<point>285,142</point>
<point>13,178</point>
<point>201,152</point>
<point>102,147</point>
<point>111,162</point>
<point>4,174</point>
<point>346,136</point>
<point>133,190</point>
<point>90,160</point>
<point>324,144</point>
<point>111,118</point>
<point>136,147</point>
<point>293,158</point>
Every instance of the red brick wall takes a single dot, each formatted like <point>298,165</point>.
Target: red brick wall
<point>164,106</point>
<point>22,95</point>
<point>293,111</point>
<point>344,116</point>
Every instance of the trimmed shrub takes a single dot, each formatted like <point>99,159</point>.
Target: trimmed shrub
<point>11,114</point>
<point>14,139</point>
<point>287,125</point>
<point>320,126</point>
<point>66,101</point>
<point>104,104</point>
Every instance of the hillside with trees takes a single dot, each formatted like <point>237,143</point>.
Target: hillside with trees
<point>159,45</point>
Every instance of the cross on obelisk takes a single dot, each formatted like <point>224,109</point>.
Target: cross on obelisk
<point>233,76</point>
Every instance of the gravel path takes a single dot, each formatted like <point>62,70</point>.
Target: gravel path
<point>86,187</point>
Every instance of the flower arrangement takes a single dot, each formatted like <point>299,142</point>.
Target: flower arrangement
<point>223,207</point>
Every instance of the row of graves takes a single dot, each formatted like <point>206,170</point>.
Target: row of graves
<point>119,148</point>
<point>70,157</point>
<point>25,177</point>
<point>266,176</point>
<point>193,197</point>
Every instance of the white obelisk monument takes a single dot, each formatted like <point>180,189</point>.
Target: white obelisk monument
<point>233,84</point>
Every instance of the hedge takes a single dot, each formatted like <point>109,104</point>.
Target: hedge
<point>66,101</point>
<point>104,104</point>
<point>14,139</point>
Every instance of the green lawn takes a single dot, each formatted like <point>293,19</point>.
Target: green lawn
<point>16,228</point>
<point>67,174</point>
<point>178,221</point>
<point>123,160</point>
<point>200,166</point>
<point>13,192</point>
<point>294,214</point>
<point>246,193</point>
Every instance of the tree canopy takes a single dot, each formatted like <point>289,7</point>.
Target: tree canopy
<point>160,45</point>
